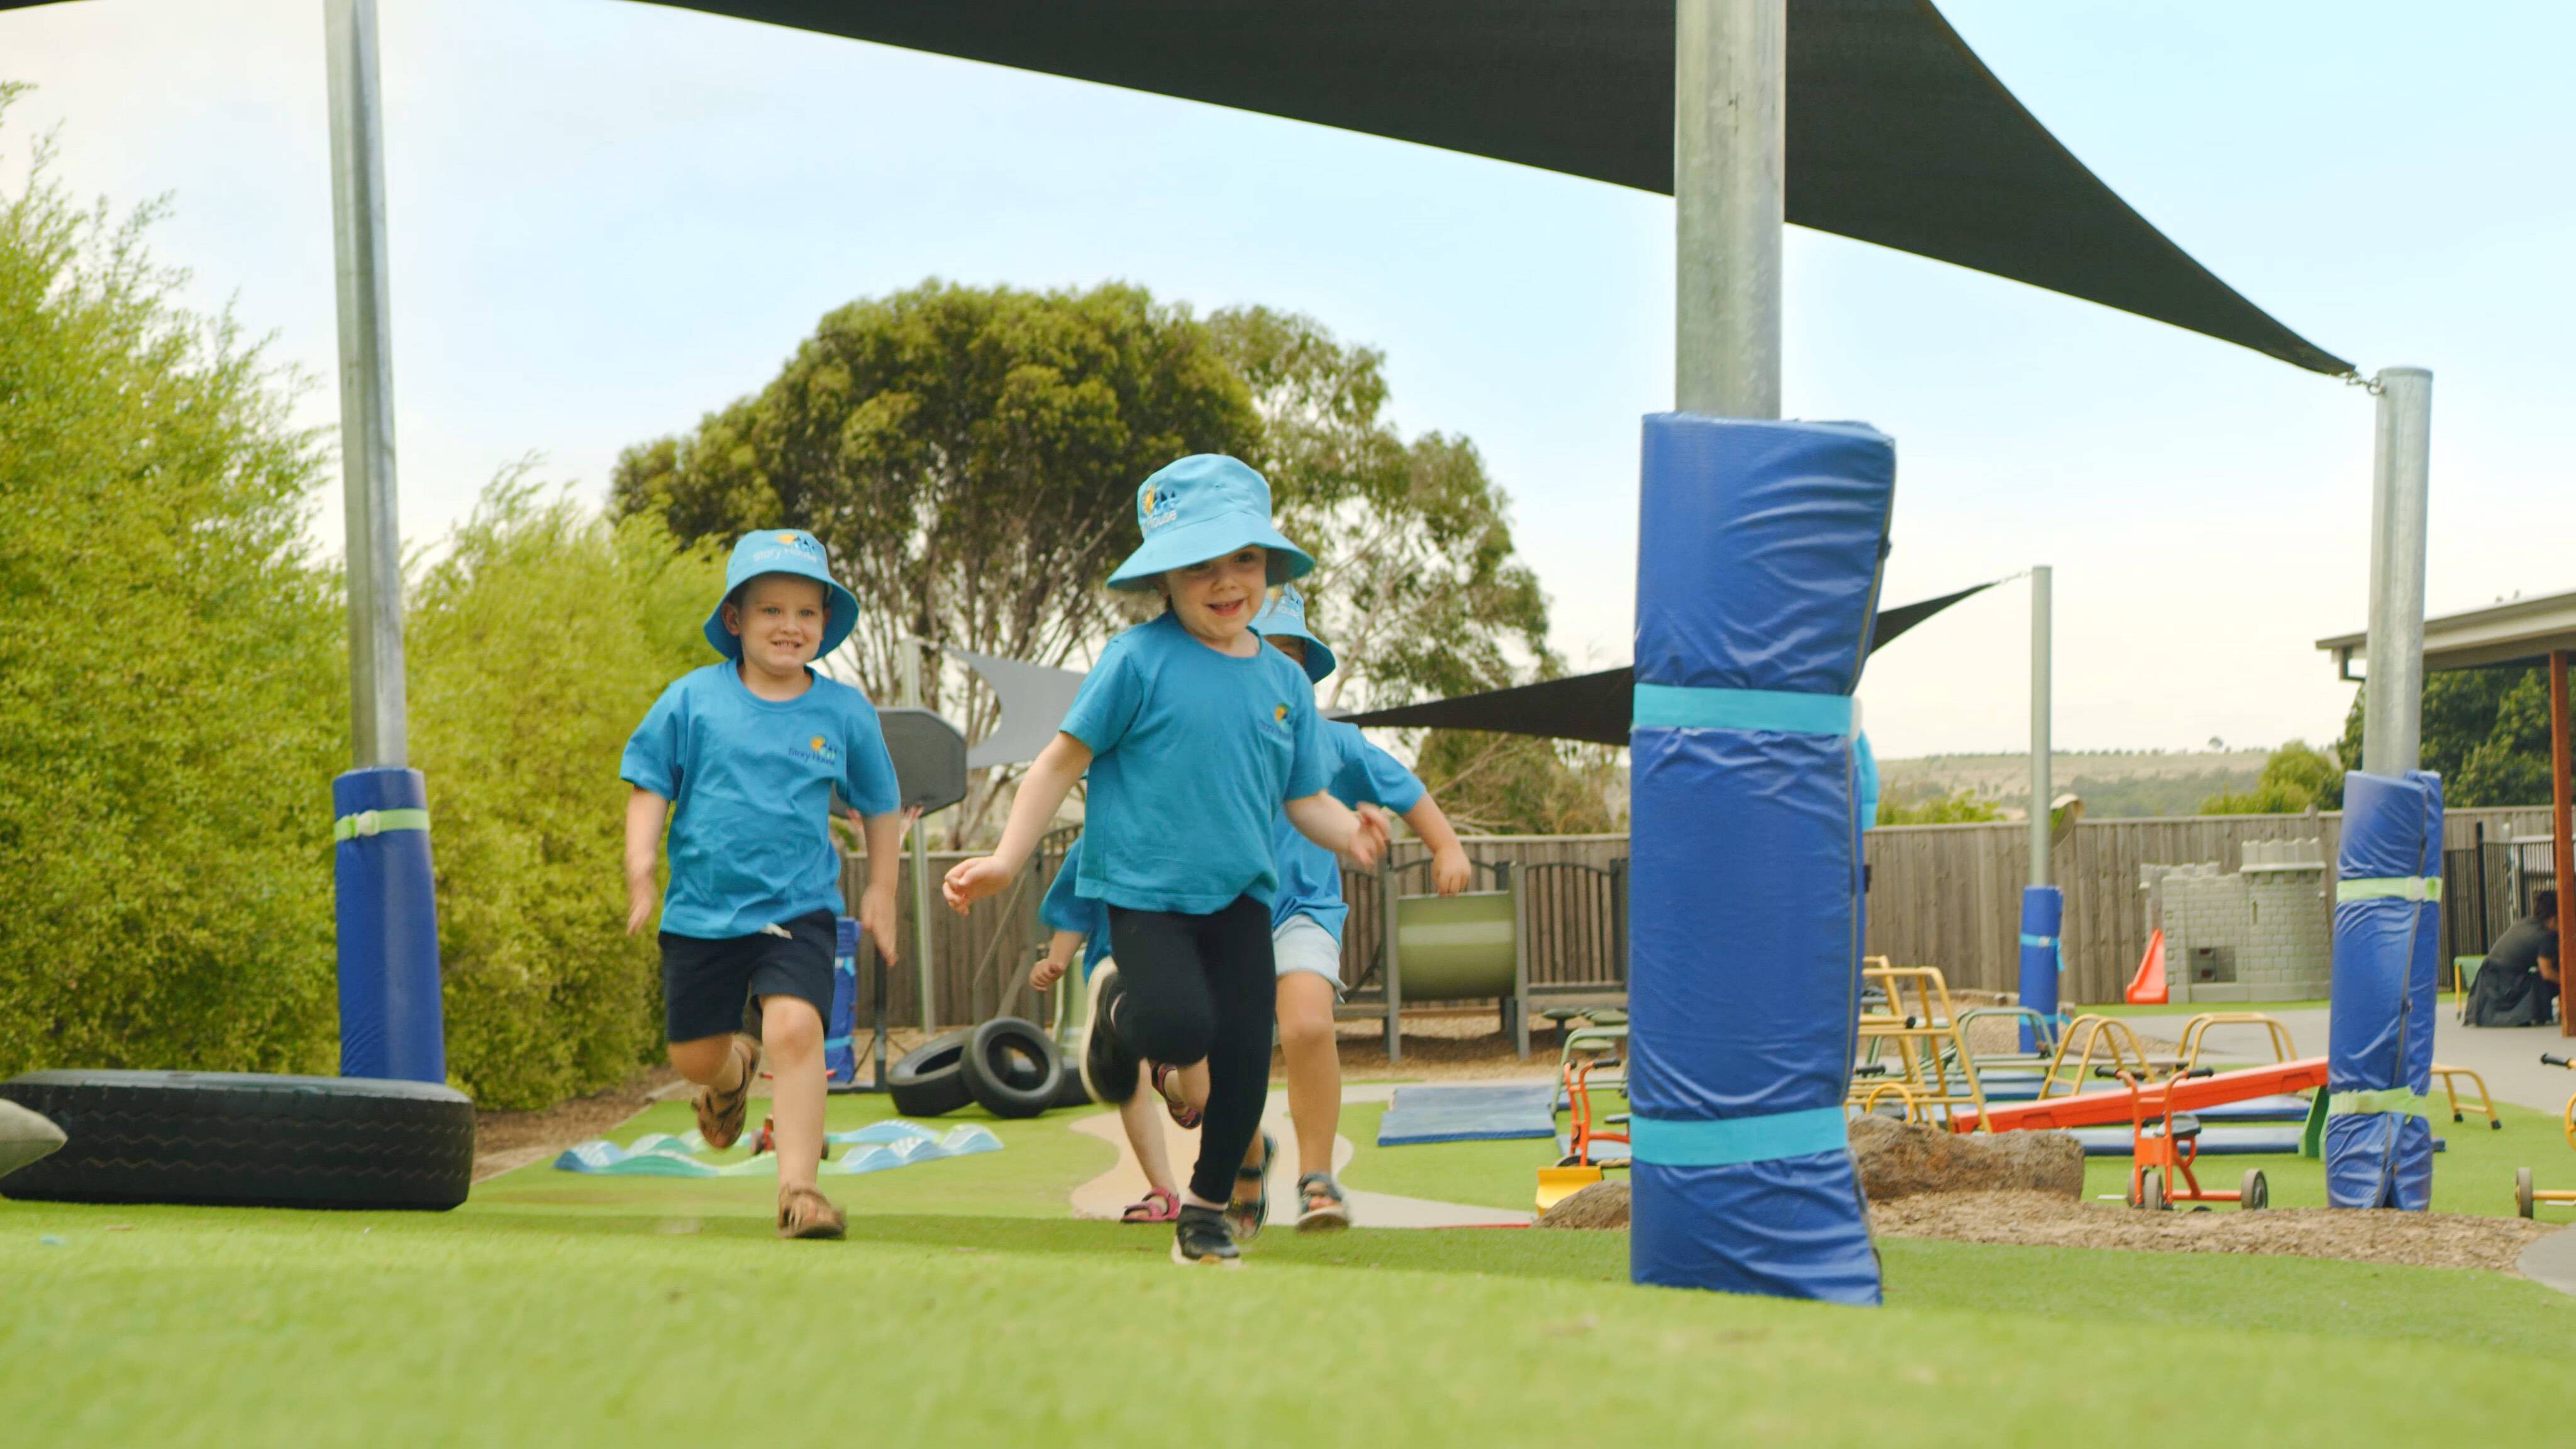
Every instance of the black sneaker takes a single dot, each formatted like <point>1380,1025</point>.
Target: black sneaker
<point>1108,1068</point>
<point>1201,1237</point>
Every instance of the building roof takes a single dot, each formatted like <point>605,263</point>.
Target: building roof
<point>2518,631</point>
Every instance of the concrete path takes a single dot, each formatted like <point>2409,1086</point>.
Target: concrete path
<point>2551,1261</point>
<point>1108,1194</point>
<point>2508,1057</point>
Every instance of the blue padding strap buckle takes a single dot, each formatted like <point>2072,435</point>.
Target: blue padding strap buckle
<point>2028,939</point>
<point>2389,887</point>
<point>1727,1141</point>
<point>1677,706</point>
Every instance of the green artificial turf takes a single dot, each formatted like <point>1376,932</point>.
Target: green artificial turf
<point>561,1308</point>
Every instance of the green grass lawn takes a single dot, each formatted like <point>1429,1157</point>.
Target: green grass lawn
<point>564,1309</point>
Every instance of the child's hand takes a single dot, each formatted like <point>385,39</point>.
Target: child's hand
<point>876,917</point>
<point>971,880</point>
<point>1046,973</point>
<point>1449,873</point>
<point>1368,838</point>
<point>639,901</point>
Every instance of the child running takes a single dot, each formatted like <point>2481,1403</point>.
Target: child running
<point>1194,734</point>
<point>1075,921</point>
<point>1306,937</point>
<point>743,755</point>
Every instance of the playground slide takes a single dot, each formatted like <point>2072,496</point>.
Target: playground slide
<point>2184,1094</point>
<point>2147,988</point>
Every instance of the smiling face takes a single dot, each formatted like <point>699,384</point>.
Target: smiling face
<point>779,618</point>
<point>1217,599</point>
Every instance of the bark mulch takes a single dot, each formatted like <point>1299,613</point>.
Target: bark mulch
<point>2439,1240</point>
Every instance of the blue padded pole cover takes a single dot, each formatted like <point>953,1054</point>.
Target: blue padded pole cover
<point>2387,937</point>
<point>388,923</point>
<point>2043,911</point>
<point>1757,577</point>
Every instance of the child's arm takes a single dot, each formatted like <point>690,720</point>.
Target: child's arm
<point>644,812</point>
<point>1050,778</point>
<point>884,835</point>
<point>1333,825</point>
<point>1058,958</point>
<point>1448,858</point>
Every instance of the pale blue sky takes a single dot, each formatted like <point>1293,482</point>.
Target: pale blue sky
<point>609,217</point>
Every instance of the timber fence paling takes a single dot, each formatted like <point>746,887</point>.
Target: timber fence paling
<point>1940,895</point>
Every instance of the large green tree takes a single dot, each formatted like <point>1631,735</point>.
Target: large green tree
<point>173,698</point>
<point>2298,776</point>
<point>2486,731</point>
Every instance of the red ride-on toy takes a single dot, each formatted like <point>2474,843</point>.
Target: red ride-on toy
<point>2162,1149</point>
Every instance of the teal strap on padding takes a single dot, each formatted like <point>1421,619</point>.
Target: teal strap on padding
<point>1675,706</point>
<point>377,822</point>
<point>2382,887</point>
<point>2028,939</point>
<point>1731,1140</point>
<point>2385,1099</point>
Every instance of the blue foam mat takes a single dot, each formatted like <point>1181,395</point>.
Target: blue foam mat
<point>1469,1112</point>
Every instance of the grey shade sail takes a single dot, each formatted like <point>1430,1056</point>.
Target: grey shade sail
<point>1593,707</point>
<point>1034,698</point>
<point>1898,134</point>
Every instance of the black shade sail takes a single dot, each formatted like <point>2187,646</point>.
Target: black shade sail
<point>1898,134</point>
<point>1593,707</point>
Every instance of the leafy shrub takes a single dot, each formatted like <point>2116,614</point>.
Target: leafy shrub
<point>535,646</point>
<point>173,697</point>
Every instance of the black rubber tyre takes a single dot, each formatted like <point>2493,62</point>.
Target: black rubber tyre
<point>1073,1093</point>
<point>1013,1068</point>
<point>246,1139</point>
<point>930,1079</point>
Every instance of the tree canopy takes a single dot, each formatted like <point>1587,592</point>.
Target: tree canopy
<point>2296,777</point>
<point>2486,731</point>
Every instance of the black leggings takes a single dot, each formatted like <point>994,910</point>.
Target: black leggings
<point>1195,987</point>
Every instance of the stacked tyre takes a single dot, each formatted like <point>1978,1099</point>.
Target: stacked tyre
<point>1007,1066</point>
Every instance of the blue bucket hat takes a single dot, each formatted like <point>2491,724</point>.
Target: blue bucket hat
<point>1200,507</point>
<point>1287,616</point>
<point>783,551</point>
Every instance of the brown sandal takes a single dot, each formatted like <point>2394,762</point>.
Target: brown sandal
<point>804,1212</point>
<point>720,1114</point>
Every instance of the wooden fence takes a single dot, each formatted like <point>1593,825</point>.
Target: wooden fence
<point>1940,895</point>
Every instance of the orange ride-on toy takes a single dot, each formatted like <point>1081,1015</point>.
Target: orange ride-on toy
<point>2163,1149</point>
<point>2526,1197</point>
<point>1581,1165</point>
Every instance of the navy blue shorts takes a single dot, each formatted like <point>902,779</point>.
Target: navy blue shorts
<point>706,983</point>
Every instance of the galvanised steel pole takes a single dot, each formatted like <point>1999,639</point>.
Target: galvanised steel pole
<point>1730,143</point>
<point>2401,485</point>
<point>920,859</point>
<point>376,730</point>
<point>2039,718</point>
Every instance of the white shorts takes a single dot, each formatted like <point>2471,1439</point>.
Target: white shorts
<point>1301,945</point>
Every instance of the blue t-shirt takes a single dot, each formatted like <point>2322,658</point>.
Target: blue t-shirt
<point>1357,773</point>
<point>1065,909</point>
<point>751,782</point>
<point>1192,752</point>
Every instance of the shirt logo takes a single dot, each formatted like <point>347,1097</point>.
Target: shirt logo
<point>1154,508</point>
<point>1279,712</point>
<point>823,747</point>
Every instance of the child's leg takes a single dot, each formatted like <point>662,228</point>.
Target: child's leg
<point>1142,1116</point>
<point>707,1061</point>
<point>1240,977</point>
<point>1305,1003</point>
<point>791,1032</point>
<point>1163,1011</point>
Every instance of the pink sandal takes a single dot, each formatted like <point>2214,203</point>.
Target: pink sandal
<point>1161,1205</point>
<point>1167,1080</point>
